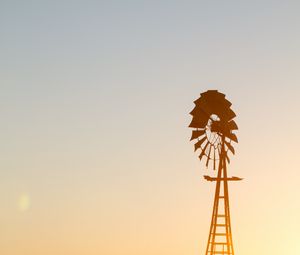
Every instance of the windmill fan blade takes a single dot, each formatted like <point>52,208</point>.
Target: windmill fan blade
<point>201,155</point>
<point>228,160</point>
<point>208,156</point>
<point>212,91</point>
<point>198,144</point>
<point>205,106</point>
<point>197,133</point>
<point>232,137</point>
<point>203,151</point>
<point>230,147</point>
<point>232,125</point>
<point>230,114</point>
<point>198,123</point>
<point>200,118</point>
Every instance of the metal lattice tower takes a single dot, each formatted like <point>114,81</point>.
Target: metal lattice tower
<point>213,126</point>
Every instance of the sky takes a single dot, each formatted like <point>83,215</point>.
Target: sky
<point>95,98</point>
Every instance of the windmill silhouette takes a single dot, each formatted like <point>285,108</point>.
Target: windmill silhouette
<point>213,127</point>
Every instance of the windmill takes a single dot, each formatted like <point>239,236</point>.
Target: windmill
<point>213,127</point>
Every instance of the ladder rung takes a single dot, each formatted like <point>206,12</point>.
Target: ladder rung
<point>220,234</point>
<point>221,215</point>
<point>220,252</point>
<point>221,225</point>
<point>221,197</point>
<point>218,243</point>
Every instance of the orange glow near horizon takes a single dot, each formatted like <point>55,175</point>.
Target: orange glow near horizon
<point>95,101</point>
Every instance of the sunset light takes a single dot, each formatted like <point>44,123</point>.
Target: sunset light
<point>105,149</point>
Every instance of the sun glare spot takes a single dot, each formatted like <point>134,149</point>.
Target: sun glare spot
<point>24,202</point>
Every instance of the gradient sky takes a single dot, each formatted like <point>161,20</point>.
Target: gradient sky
<point>95,155</point>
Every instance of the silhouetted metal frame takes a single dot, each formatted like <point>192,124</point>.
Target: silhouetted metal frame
<point>221,177</point>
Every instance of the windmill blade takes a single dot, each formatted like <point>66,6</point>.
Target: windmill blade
<point>230,147</point>
<point>198,122</point>
<point>230,114</point>
<point>201,155</point>
<point>212,92</point>
<point>232,137</point>
<point>200,118</point>
<point>197,133</point>
<point>205,105</point>
<point>203,151</point>
<point>208,155</point>
<point>198,144</point>
<point>231,125</point>
<point>227,158</point>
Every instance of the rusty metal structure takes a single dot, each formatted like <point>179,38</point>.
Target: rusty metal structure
<point>213,129</point>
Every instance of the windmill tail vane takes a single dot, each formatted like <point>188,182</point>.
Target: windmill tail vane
<point>213,129</point>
